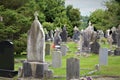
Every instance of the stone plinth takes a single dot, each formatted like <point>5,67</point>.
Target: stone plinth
<point>34,69</point>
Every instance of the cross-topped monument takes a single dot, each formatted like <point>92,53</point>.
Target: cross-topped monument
<point>36,42</point>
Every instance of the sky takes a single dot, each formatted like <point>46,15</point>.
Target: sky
<point>86,6</point>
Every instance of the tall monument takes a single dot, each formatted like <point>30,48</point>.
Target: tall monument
<point>35,65</point>
<point>36,42</point>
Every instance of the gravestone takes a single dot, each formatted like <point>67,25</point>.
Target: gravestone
<point>47,49</point>
<point>64,34</point>
<point>118,36</point>
<point>57,37</point>
<point>35,65</point>
<point>103,56</point>
<point>63,49</point>
<point>95,47</point>
<point>56,59</point>
<point>72,68</point>
<point>7,59</point>
<point>76,34</point>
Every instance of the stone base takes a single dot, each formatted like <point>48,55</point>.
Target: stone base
<point>34,69</point>
<point>8,73</point>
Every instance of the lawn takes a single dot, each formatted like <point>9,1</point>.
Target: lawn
<point>87,64</point>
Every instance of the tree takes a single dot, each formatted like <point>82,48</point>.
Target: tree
<point>73,15</point>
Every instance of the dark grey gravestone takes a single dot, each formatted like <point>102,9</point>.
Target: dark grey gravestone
<point>117,52</point>
<point>73,68</point>
<point>114,37</point>
<point>7,59</point>
<point>64,34</point>
<point>118,36</point>
<point>47,49</point>
<point>56,59</point>
<point>95,46</point>
<point>63,49</point>
<point>103,56</point>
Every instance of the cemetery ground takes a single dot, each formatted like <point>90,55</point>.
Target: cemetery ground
<point>87,64</point>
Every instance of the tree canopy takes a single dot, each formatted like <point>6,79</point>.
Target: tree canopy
<point>18,17</point>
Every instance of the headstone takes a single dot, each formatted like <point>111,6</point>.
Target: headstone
<point>57,38</point>
<point>72,68</point>
<point>95,47</point>
<point>36,42</point>
<point>117,52</point>
<point>7,59</point>
<point>35,65</point>
<point>47,49</point>
<point>76,34</point>
<point>118,36</point>
<point>64,34</point>
<point>56,59</point>
<point>63,49</point>
<point>103,56</point>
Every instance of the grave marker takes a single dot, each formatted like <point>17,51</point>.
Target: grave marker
<point>103,56</point>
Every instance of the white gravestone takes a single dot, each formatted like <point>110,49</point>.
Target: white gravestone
<point>103,56</point>
<point>36,42</point>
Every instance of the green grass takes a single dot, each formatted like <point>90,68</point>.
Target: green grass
<point>86,63</point>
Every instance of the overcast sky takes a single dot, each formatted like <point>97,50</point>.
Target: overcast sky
<point>86,6</point>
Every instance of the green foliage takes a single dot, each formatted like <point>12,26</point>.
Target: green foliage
<point>18,17</point>
<point>73,15</point>
<point>105,19</point>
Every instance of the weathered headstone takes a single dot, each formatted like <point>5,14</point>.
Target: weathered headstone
<point>7,59</point>
<point>95,47</point>
<point>63,49</point>
<point>35,65</point>
<point>56,59</point>
<point>47,49</point>
<point>103,56</point>
<point>73,68</point>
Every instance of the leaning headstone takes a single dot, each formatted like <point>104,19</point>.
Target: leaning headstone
<point>103,56</point>
<point>47,49</point>
<point>95,47</point>
<point>63,49</point>
<point>56,59</point>
<point>7,59</point>
<point>73,68</point>
<point>35,65</point>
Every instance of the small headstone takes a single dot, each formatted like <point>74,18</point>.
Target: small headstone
<point>7,59</point>
<point>95,47</point>
<point>63,49</point>
<point>56,59</point>
<point>47,49</point>
<point>72,68</point>
<point>103,56</point>
<point>117,52</point>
